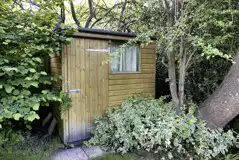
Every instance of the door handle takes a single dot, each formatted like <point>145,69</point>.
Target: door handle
<point>73,91</point>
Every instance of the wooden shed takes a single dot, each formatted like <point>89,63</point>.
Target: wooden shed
<point>97,74</point>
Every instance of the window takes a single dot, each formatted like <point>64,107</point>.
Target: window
<point>124,59</point>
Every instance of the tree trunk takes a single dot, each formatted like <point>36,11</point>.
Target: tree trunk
<point>173,79</point>
<point>182,71</point>
<point>223,105</point>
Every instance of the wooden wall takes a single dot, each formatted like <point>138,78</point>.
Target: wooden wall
<point>123,85</point>
<point>99,88</point>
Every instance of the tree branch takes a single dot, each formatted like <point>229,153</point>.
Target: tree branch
<point>15,2</point>
<point>163,62</point>
<point>77,22</point>
<point>122,14</point>
<point>106,13</point>
<point>91,13</point>
<point>34,3</point>
<point>63,15</point>
<point>189,59</point>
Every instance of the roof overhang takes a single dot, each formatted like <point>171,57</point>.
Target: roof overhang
<point>104,34</point>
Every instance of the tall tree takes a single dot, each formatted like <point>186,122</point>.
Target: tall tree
<point>223,105</point>
<point>189,30</point>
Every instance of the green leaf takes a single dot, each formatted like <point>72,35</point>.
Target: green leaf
<point>29,127</point>
<point>68,39</point>
<point>26,92</point>
<point>28,78</point>
<point>32,117</point>
<point>1,86</point>
<point>43,73</point>
<point>37,59</point>
<point>17,116</point>
<point>8,88</point>
<point>35,84</point>
<point>24,71</point>
<point>36,107</point>
<point>44,92</point>
<point>8,69</point>
<point>16,92</point>
<point>32,70</point>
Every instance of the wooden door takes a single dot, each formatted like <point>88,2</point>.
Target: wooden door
<point>86,80</point>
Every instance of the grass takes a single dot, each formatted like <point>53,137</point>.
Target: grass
<point>115,157</point>
<point>138,155</point>
<point>31,149</point>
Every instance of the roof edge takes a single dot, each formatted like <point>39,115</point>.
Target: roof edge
<point>106,32</point>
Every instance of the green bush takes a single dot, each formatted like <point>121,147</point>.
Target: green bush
<point>26,38</point>
<point>153,125</point>
<point>232,157</point>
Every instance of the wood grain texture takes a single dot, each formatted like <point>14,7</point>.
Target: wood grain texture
<point>85,71</point>
<point>141,90</point>
<point>89,71</point>
<point>116,76</point>
<point>130,81</point>
<point>123,85</point>
<point>131,86</point>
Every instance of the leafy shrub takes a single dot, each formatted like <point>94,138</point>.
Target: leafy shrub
<point>26,38</point>
<point>153,125</point>
<point>232,157</point>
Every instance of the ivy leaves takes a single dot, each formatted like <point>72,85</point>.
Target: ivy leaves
<point>26,38</point>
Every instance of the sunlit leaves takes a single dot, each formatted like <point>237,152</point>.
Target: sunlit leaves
<point>26,38</point>
<point>8,88</point>
<point>17,116</point>
<point>36,107</point>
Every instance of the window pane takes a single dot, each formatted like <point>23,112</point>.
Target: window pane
<point>124,59</point>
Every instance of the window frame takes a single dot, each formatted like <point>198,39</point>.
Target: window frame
<point>136,72</point>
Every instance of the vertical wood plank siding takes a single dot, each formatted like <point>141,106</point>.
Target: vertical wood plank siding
<point>99,88</point>
<point>84,70</point>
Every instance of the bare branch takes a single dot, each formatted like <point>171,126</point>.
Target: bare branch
<point>19,4</point>
<point>106,13</point>
<point>77,22</point>
<point>34,3</point>
<point>165,4</point>
<point>91,13</point>
<point>63,16</point>
<point>122,14</point>
<point>189,59</point>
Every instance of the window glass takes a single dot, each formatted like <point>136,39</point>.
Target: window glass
<point>124,59</point>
